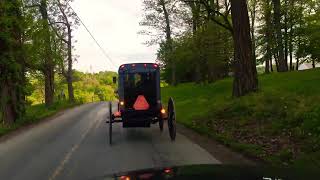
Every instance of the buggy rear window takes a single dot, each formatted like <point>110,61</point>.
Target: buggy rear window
<point>140,83</point>
<point>139,80</point>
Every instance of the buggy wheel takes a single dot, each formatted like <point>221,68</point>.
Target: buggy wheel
<point>110,123</point>
<point>172,119</point>
<point>161,123</point>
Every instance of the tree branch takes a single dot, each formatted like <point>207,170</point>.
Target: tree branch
<point>32,6</point>
<point>227,25</point>
<point>221,24</point>
<point>58,35</point>
<point>60,22</point>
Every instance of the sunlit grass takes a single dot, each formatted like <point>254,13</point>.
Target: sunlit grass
<point>35,113</point>
<point>285,103</point>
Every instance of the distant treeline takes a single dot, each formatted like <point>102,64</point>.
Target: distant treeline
<point>88,87</point>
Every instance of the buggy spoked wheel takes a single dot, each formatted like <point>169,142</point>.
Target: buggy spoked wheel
<point>110,122</point>
<point>171,119</point>
<point>161,123</point>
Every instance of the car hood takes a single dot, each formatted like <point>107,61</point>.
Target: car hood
<point>221,172</point>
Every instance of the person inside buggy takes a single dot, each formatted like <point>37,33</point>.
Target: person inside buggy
<point>137,84</point>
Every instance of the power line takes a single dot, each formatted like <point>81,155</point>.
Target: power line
<point>95,40</point>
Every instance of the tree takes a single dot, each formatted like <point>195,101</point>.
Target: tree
<point>165,19</point>
<point>168,40</point>
<point>245,80</point>
<point>268,35</point>
<point>12,66</point>
<point>195,9</point>
<point>63,22</point>
<point>291,11</point>
<point>207,48</point>
<point>244,66</point>
<point>253,14</point>
<point>56,19</point>
<point>203,13</point>
<point>29,49</point>
<point>48,69</point>
<point>283,65</point>
<point>309,44</point>
<point>265,40</point>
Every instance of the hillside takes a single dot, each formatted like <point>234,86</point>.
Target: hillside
<point>280,124</point>
<point>88,87</point>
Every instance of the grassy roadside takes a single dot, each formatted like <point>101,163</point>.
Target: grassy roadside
<point>36,113</point>
<point>280,124</point>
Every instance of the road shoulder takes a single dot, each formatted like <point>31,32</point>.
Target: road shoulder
<point>217,150</point>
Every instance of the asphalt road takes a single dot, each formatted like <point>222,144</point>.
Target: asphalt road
<point>74,145</point>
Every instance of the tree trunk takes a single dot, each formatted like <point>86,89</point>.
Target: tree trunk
<point>48,84</point>
<point>253,37</point>
<point>12,65</point>
<point>286,34</point>
<point>268,57</point>
<point>291,34</point>
<point>245,79</point>
<point>291,49</point>
<point>169,41</point>
<point>313,63</point>
<point>195,8</point>
<point>299,38</point>
<point>267,66</point>
<point>48,69</point>
<point>283,65</point>
<point>8,112</point>
<point>69,75</point>
<point>271,65</point>
<point>277,61</point>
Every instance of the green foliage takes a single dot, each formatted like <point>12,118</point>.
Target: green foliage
<point>310,46</point>
<point>12,89</point>
<point>87,87</point>
<point>206,54</point>
<point>95,87</point>
<point>300,30</point>
<point>280,123</point>
<point>29,46</point>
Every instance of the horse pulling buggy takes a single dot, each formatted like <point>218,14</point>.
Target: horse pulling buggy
<point>140,99</point>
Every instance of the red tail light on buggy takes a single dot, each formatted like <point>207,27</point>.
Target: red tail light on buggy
<point>124,178</point>
<point>168,171</point>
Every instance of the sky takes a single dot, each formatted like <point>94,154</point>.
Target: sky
<point>115,25</point>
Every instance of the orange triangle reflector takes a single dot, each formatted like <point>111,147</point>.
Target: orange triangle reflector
<point>141,103</point>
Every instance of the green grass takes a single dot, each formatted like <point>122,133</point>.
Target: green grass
<point>278,124</point>
<point>36,113</point>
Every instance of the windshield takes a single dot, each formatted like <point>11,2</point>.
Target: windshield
<point>91,87</point>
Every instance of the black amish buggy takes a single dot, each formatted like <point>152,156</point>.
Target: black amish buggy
<point>139,99</point>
